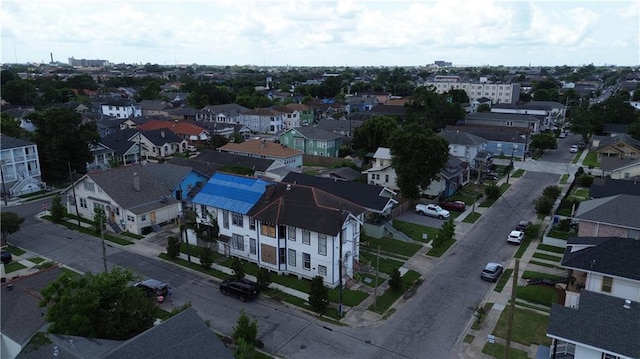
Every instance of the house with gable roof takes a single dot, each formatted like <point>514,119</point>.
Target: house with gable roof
<point>226,113</point>
<point>266,150</point>
<point>188,131</point>
<point>121,109</point>
<point>296,115</point>
<point>464,145</point>
<point>155,107</point>
<point>606,187</point>
<point>621,146</point>
<point>135,198</point>
<point>621,168</point>
<point>262,120</point>
<point>602,299</point>
<point>381,172</point>
<point>609,216</point>
<point>532,123</point>
<point>312,141</point>
<point>500,141</point>
<point>20,166</point>
<point>286,228</point>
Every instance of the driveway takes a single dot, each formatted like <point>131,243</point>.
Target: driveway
<point>413,217</point>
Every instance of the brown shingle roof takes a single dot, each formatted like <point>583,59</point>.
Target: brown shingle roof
<point>261,148</point>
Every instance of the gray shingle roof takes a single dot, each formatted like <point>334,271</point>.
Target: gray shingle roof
<point>7,142</point>
<point>494,133</point>
<point>20,314</point>
<point>620,210</point>
<point>228,159</point>
<point>119,141</point>
<point>603,323</point>
<point>156,180</point>
<point>363,194</point>
<point>161,136</point>
<point>612,255</point>
<point>606,187</point>
<point>610,141</point>
<point>617,163</point>
<point>312,133</point>
<point>458,137</point>
<point>502,116</point>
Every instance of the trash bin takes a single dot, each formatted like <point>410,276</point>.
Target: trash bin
<point>556,219</point>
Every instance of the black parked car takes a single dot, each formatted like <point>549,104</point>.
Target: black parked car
<point>242,289</point>
<point>6,257</point>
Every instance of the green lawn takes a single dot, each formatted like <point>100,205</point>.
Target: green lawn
<point>14,250</point>
<point>415,231</point>
<point>36,260</point>
<point>496,350</point>
<point>386,300</point>
<point>391,245</point>
<point>437,252</point>
<point>538,294</point>
<point>478,322</point>
<point>468,194</point>
<point>528,327</point>
<point>503,280</point>
<point>471,217</point>
<point>548,248</point>
<point>533,261</point>
<point>387,266</point>
<point>548,257</point>
<point>580,193</point>
<point>13,266</point>
<point>523,247</point>
<point>518,173</point>
<point>564,179</point>
<point>591,160</point>
<point>577,157</point>
<point>529,274</point>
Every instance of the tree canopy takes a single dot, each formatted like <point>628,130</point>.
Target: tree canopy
<point>418,155</point>
<point>63,139</point>
<point>11,126</point>
<point>432,110</point>
<point>10,223</point>
<point>102,305</point>
<point>373,133</point>
<point>543,141</point>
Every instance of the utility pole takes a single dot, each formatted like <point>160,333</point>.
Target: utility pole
<point>507,346</point>
<point>375,288</point>
<point>340,265</point>
<point>184,221</point>
<point>475,192</point>
<point>73,189</point>
<point>513,149</point>
<point>104,249</point>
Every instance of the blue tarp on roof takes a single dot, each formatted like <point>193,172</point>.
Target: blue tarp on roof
<point>232,193</point>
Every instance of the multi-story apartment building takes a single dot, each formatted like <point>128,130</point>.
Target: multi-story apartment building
<point>497,93</point>
<point>20,166</point>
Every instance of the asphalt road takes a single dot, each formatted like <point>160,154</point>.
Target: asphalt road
<point>429,324</point>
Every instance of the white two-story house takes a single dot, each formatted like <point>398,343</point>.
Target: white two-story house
<point>262,120</point>
<point>121,109</point>
<point>286,228</point>
<point>381,172</point>
<point>20,166</point>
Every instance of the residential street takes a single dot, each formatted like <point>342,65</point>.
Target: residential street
<point>432,321</point>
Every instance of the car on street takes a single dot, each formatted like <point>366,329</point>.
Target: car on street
<point>515,237</point>
<point>574,149</point>
<point>6,257</point>
<point>242,289</point>
<point>432,210</point>
<point>562,135</point>
<point>154,288</point>
<point>522,226</point>
<point>491,272</point>
<point>454,205</point>
<point>582,145</point>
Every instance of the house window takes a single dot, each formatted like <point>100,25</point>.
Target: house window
<point>252,223</point>
<point>509,123</point>
<point>237,242</point>
<point>377,176</point>
<point>236,219</point>
<point>306,237</point>
<point>203,211</point>
<point>282,255</point>
<point>225,219</point>
<point>143,217</point>
<point>298,142</point>
<point>499,146</point>
<point>89,186</point>
<point>322,270</point>
<point>292,233</point>
<point>130,218</point>
<point>83,203</point>
<point>306,261</point>
<point>607,283</point>
<point>322,244</point>
<point>252,245</point>
<point>267,229</point>
<point>117,211</point>
<point>386,178</point>
<point>292,257</point>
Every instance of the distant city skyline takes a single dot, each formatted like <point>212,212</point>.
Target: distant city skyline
<point>323,33</point>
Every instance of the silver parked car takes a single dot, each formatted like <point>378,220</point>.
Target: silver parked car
<point>491,272</point>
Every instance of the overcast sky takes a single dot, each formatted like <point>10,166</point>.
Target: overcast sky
<point>323,33</point>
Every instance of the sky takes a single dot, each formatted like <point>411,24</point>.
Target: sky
<point>323,33</point>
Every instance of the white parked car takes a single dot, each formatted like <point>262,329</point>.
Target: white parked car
<point>432,210</point>
<point>574,149</point>
<point>515,237</point>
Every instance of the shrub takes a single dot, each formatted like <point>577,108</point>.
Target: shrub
<point>552,192</point>
<point>586,181</point>
<point>395,282</point>
<point>318,295</point>
<point>238,268</point>
<point>565,225</point>
<point>245,330</point>
<point>580,171</point>
<point>206,257</point>
<point>544,205</point>
<point>58,212</point>
<point>492,191</point>
<point>173,246</point>
<point>264,278</point>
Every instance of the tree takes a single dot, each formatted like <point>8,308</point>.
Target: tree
<point>544,141</point>
<point>58,212</point>
<point>151,91</point>
<point>244,350</point>
<point>238,268</point>
<point>63,140</point>
<point>20,92</point>
<point>245,330</point>
<point>10,126</point>
<point>458,96</point>
<point>395,282</point>
<point>264,278</point>
<point>484,107</point>
<point>206,257</point>
<point>552,192</point>
<point>418,155</point>
<point>374,133</point>
<point>492,191</point>
<point>634,127</point>
<point>99,219</point>
<point>173,246</point>
<point>448,230</point>
<point>318,295</point>
<point>432,110</point>
<point>544,205</point>
<point>102,305</point>
<point>10,223</point>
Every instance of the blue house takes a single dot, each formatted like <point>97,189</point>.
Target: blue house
<point>501,141</point>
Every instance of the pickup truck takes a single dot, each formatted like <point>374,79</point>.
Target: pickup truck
<point>432,210</point>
